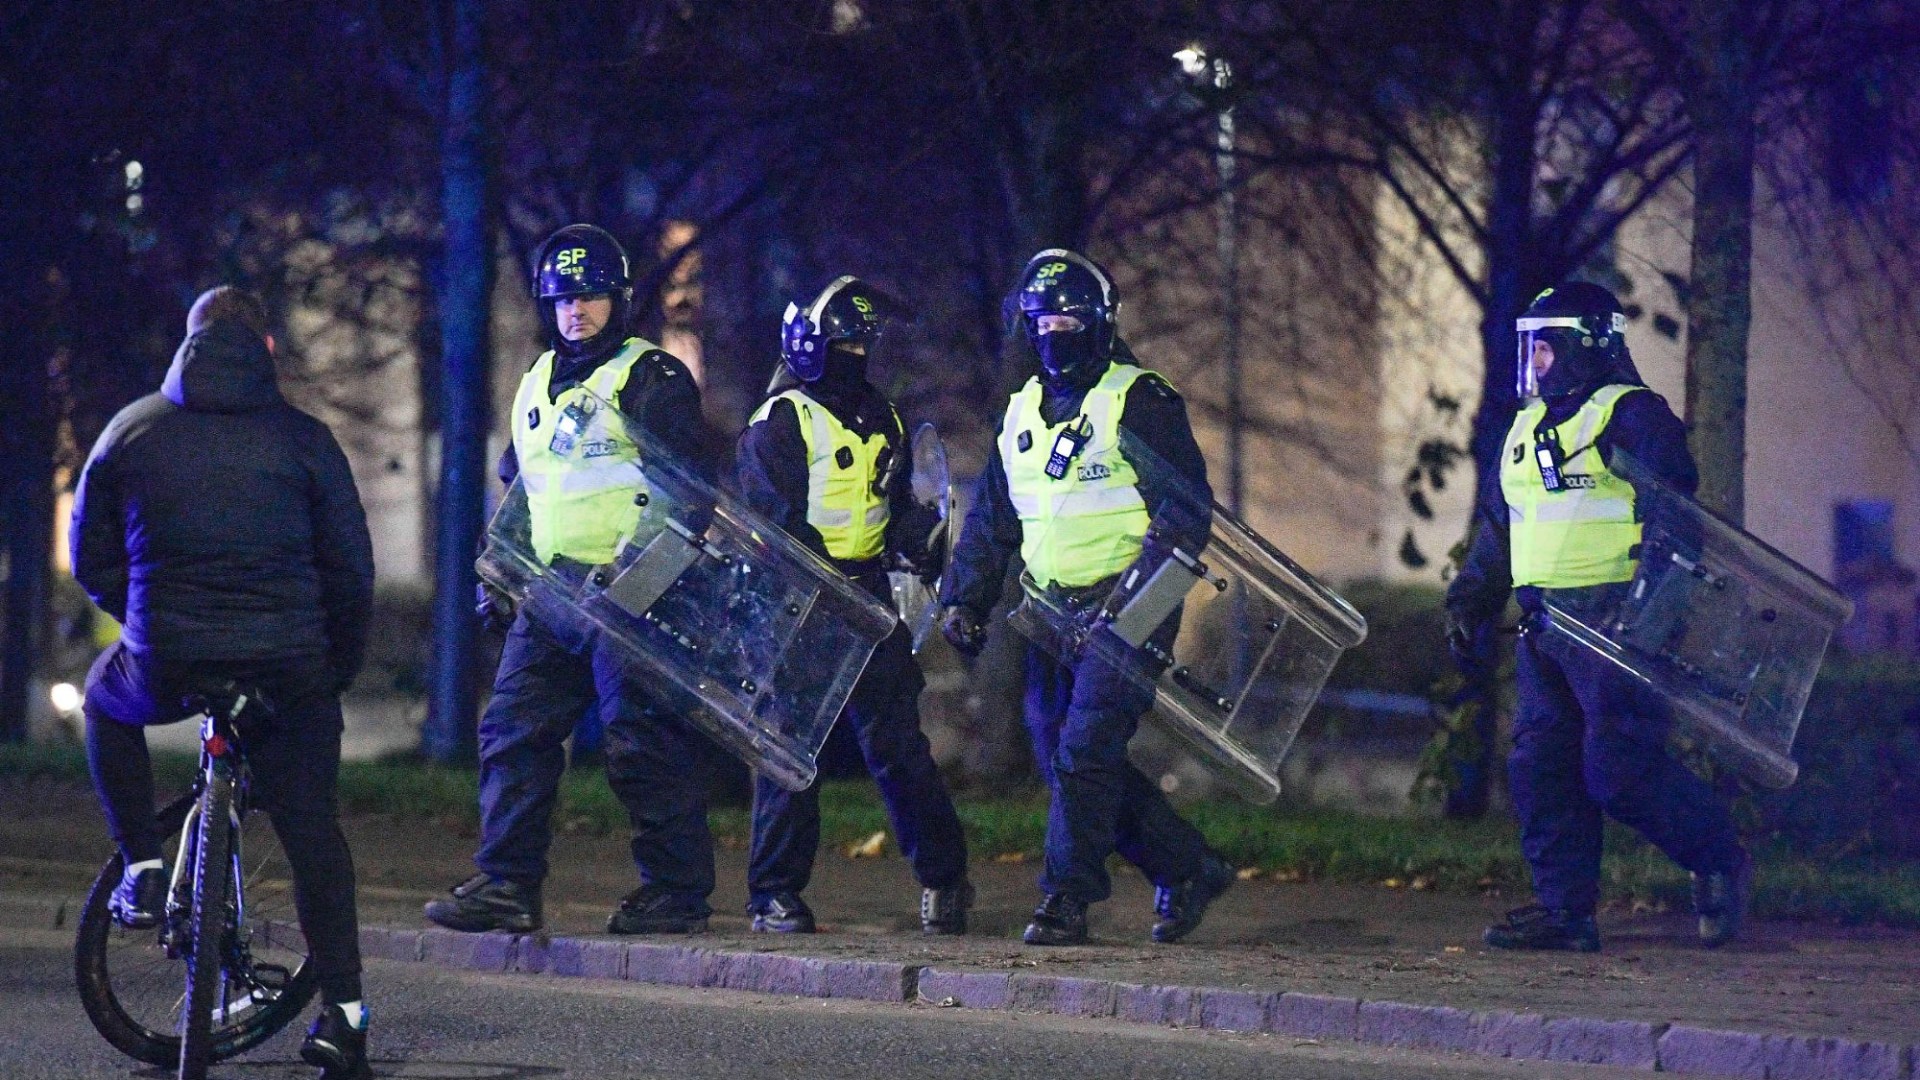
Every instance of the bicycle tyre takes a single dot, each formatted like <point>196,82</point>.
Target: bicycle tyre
<point>207,930</point>
<point>157,1042</point>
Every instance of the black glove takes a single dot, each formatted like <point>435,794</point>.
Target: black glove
<point>495,608</point>
<point>1471,641</point>
<point>963,631</point>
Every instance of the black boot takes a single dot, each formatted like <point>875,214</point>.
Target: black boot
<point>336,1047</point>
<point>1721,902</point>
<point>1538,927</point>
<point>651,909</point>
<point>1059,920</point>
<point>140,899</point>
<point>483,903</point>
<point>1182,906</point>
<point>782,913</point>
<point>943,912</point>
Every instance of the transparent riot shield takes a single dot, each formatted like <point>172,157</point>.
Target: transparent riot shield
<point>1233,637</point>
<point>915,598</point>
<point>1728,631</point>
<point>756,638</point>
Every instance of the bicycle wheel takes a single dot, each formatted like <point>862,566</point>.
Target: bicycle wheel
<point>130,980</point>
<point>211,872</point>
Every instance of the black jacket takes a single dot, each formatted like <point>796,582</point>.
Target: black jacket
<point>990,538</point>
<point>219,523</point>
<point>1642,425</point>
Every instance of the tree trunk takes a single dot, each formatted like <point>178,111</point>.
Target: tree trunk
<point>27,509</point>
<point>466,286</point>
<point>1720,101</point>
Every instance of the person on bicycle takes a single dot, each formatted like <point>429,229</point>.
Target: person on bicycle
<point>222,527</point>
<point>826,458</point>
<point>657,762</point>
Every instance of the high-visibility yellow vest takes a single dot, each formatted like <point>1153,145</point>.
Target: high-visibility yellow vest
<point>1085,524</point>
<point>1584,533</point>
<point>846,502</point>
<point>581,470</point>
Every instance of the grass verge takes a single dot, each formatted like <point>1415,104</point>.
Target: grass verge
<point>1290,845</point>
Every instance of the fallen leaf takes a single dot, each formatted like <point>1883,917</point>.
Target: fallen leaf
<point>1248,873</point>
<point>870,848</point>
<point>1455,948</point>
<point>1011,857</point>
<point>1393,883</point>
<point>1422,883</point>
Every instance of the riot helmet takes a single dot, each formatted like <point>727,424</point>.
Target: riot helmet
<point>1572,339</point>
<point>847,312</point>
<point>583,260</point>
<point>1056,283</point>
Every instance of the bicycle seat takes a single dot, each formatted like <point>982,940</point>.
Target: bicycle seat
<point>234,700</point>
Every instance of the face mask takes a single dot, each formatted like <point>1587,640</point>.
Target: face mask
<point>1063,354</point>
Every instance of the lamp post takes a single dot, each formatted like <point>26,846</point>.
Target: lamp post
<point>1212,81</point>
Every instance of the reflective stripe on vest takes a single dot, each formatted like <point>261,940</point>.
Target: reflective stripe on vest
<point>1087,525</point>
<point>844,504</point>
<point>580,498</point>
<point>1584,533</point>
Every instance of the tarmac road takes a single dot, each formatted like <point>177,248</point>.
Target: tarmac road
<point>432,1024</point>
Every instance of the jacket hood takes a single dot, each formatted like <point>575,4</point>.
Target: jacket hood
<point>225,368</point>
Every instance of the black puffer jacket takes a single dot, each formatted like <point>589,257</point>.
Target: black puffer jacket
<point>220,523</point>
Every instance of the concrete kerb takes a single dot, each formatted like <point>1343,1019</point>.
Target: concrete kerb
<point>1675,1048</point>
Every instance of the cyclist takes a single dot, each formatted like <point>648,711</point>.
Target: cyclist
<point>222,527</point>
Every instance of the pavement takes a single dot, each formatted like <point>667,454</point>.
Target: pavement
<point>1372,966</point>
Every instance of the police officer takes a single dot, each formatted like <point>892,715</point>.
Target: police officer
<point>1587,740</point>
<point>828,461</point>
<point>1057,491</point>
<point>656,763</point>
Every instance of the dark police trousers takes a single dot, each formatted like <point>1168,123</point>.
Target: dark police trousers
<point>1589,741</point>
<point>657,764</point>
<point>294,755</point>
<point>884,710</point>
<point>1081,719</point>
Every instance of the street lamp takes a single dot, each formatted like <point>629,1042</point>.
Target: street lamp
<point>1212,80</point>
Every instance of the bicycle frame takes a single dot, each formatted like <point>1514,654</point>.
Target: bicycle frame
<point>221,754</point>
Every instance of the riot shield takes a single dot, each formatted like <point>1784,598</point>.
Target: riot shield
<point>756,638</point>
<point>1728,631</point>
<point>1233,637</point>
<point>916,599</point>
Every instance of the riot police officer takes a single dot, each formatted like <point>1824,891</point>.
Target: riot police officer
<point>1588,741</point>
<point>826,458</point>
<point>1057,491</point>
<point>657,764</point>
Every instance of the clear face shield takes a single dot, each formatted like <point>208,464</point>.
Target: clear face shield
<point>1539,340</point>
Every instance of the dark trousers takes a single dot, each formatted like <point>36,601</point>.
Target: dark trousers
<point>1590,742</point>
<point>884,710</point>
<point>1081,719</point>
<point>295,758</point>
<point>657,764</point>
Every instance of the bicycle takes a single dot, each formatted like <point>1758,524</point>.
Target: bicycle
<point>227,920</point>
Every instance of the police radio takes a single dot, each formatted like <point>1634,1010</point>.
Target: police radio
<point>1546,453</point>
<point>1066,447</point>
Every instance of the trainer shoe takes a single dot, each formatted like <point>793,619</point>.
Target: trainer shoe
<point>1539,927</point>
<point>483,902</point>
<point>1182,906</point>
<point>140,899</point>
<point>943,912</point>
<point>782,913</point>
<point>1059,920</point>
<point>651,909</point>
<point>1721,902</point>
<point>336,1047</point>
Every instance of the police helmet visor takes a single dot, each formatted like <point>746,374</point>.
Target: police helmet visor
<point>1542,342</point>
